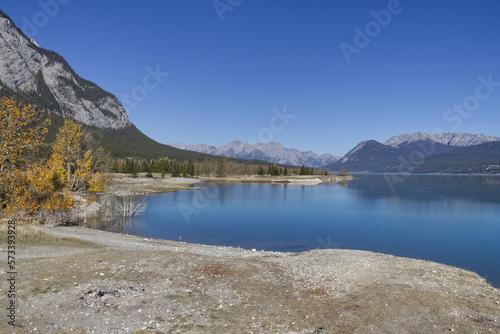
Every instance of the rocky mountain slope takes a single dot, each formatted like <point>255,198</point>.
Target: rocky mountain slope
<point>476,159</point>
<point>42,77</point>
<point>371,156</point>
<point>271,152</point>
<point>450,139</point>
<point>45,78</point>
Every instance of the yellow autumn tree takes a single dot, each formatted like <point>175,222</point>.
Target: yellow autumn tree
<point>22,130</point>
<point>30,183</point>
<point>73,163</point>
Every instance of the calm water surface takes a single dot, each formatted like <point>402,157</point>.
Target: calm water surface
<point>449,219</point>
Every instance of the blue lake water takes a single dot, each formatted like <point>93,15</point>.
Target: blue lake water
<point>448,219</point>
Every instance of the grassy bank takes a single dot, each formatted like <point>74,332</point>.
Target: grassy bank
<point>28,234</point>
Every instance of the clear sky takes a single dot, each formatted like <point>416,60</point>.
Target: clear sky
<point>347,70</point>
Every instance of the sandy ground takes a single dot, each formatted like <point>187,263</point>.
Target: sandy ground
<point>125,284</point>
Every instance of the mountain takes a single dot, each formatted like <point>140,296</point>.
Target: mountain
<point>425,147</point>
<point>371,156</point>
<point>42,77</point>
<point>45,77</point>
<point>271,152</point>
<point>448,139</point>
<point>422,153</point>
<point>477,159</point>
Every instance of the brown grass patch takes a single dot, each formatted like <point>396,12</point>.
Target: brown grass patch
<point>319,292</point>
<point>215,270</point>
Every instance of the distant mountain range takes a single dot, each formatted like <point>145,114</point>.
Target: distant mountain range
<point>422,153</point>
<point>416,152</point>
<point>271,152</point>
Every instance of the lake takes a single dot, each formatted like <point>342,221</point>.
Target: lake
<point>451,219</point>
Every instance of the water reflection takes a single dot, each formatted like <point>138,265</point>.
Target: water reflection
<point>124,225</point>
<point>428,187</point>
<point>120,214</point>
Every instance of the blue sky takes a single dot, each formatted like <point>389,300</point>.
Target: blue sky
<point>227,79</point>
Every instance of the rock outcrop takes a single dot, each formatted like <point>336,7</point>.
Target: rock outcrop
<point>45,77</point>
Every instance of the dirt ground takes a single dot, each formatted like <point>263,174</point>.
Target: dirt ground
<point>89,281</point>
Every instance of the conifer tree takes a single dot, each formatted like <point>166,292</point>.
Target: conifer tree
<point>221,170</point>
<point>191,168</point>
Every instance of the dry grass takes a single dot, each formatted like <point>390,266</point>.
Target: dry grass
<point>145,185</point>
<point>31,235</point>
<point>216,270</point>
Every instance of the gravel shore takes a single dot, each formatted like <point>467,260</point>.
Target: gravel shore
<point>126,284</point>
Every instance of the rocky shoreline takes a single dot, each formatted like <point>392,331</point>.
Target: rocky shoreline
<point>126,284</point>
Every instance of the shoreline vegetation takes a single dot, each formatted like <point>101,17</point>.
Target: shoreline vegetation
<point>106,282</point>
